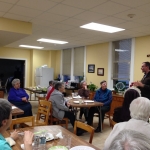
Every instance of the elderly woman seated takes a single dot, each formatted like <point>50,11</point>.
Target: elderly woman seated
<point>140,112</point>
<point>130,140</point>
<point>19,98</point>
<point>60,105</point>
<point>5,122</point>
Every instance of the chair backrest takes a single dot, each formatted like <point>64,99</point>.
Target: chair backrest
<point>41,98</point>
<point>44,109</point>
<point>22,120</point>
<point>91,95</point>
<point>112,123</point>
<point>117,101</point>
<point>84,126</point>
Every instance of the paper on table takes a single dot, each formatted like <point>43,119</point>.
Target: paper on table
<point>22,145</point>
<point>77,96</point>
<point>14,107</point>
<point>59,135</point>
<point>82,147</point>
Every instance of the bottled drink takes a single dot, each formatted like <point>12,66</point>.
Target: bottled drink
<point>43,142</point>
<point>36,142</point>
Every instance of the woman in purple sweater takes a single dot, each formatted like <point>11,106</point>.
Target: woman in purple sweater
<point>19,98</point>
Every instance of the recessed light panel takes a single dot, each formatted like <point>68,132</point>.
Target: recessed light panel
<point>101,27</point>
<point>52,41</point>
<point>29,46</point>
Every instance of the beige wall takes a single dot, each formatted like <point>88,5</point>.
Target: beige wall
<point>98,55</point>
<point>142,48</point>
<point>34,59</point>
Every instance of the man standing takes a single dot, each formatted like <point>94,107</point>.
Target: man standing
<point>144,84</point>
<point>104,96</point>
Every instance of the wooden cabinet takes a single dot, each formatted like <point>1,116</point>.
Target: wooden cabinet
<point>1,94</point>
<point>117,101</point>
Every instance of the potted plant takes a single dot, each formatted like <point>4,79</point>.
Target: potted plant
<point>92,87</point>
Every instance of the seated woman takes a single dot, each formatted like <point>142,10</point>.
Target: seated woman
<point>19,98</point>
<point>5,122</point>
<point>60,105</point>
<point>140,112</point>
<point>52,89</point>
<point>122,113</point>
<point>84,93</point>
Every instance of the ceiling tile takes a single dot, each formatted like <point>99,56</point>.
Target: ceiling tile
<point>143,20</point>
<point>91,16</point>
<point>65,10</point>
<point>17,17</point>
<point>9,1</point>
<point>138,14</point>
<point>70,33</point>
<point>127,32</point>
<point>47,31</point>
<point>57,1</point>
<point>109,8</point>
<point>128,25</point>
<point>24,11</point>
<point>1,13</point>
<point>131,3</point>
<point>145,8</point>
<point>110,21</point>
<point>5,6</point>
<point>84,4</point>
<point>37,4</point>
<point>74,22</point>
<point>42,22</point>
<point>36,27</point>
<point>77,30</point>
<point>51,17</point>
<point>62,26</point>
<point>142,29</point>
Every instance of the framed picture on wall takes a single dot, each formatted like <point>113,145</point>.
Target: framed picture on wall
<point>100,71</point>
<point>91,68</point>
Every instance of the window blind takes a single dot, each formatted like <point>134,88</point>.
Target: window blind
<point>78,61</point>
<point>121,60</point>
<point>66,65</point>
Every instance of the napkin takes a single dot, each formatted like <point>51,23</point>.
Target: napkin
<point>77,96</point>
<point>13,107</point>
<point>10,141</point>
<point>22,145</point>
<point>59,135</point>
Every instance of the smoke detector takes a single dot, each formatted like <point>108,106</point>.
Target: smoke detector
<point>131,15</point>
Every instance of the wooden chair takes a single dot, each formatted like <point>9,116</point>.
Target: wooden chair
<point>117,101</point>
<point>84,126</point>
<point>43,110</point>
<point>41,98</point>
<point>112,123</point>
<point>22,121</point>
<point>63,122</point>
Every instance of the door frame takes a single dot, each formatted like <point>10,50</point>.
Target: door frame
<point>25,75</point>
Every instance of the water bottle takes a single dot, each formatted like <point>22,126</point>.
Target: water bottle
<point>43,142</point>
<point>36,143</point>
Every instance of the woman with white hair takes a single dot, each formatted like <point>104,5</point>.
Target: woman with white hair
<point>130,140</point>
<point>5,122</point>
<point>140,112</point>
<point>19,98</point>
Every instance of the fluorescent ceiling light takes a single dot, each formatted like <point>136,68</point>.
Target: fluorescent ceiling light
<point>120,50</point>
<point>101,27</point>
<point>52,41</point>
<point>29,46</point>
